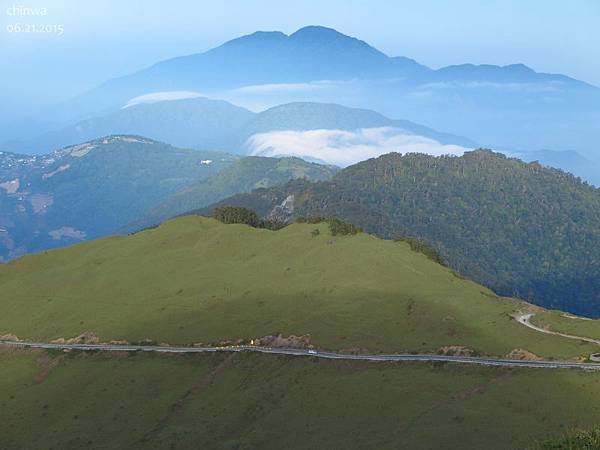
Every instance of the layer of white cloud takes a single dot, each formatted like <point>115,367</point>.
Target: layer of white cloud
<point>155,97</point>
<point>344,148</point>
<point>281,87</point>
<point>259,97</point>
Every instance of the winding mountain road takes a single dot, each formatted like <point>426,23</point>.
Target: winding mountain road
<point>482,361</point>
<point>525,319</point>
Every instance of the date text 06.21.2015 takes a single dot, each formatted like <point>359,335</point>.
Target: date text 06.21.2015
<point>57,29</point>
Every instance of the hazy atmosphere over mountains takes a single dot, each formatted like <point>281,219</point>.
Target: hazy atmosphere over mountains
<point>328,132</point>
<point>324,64</point>
<point>511,108</point>
<point>258,224</point>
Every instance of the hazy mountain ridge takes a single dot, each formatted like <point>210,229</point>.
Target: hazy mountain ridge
<point>90,189</point>
<point>312,53</point>
<point>508,106</point>
<point>303,116</point>
<point>218,125</point>
<point>244,175</point>
<point>196,122</point>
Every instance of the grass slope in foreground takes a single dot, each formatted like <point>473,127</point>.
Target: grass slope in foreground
<point>195,280</point>
<point>574,440</point>
<point>74,401</point>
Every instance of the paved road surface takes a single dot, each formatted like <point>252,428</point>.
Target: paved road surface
<point>483,361</point>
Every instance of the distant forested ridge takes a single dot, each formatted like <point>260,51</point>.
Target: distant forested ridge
<point>520,228</point>
<point>243,175</point>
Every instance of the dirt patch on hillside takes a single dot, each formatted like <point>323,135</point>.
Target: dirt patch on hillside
<point>8,337</point>
<point>11,187</point>
<point>81,150</point>
<point>523,355</point>
<point>45,176</point>
<point>133,139</point>
<point>88,337</point>
<point>41,202</point>
<point>455,350</point>
<point>274,340</point>
<point>118,342</point>
<point>278,340</point>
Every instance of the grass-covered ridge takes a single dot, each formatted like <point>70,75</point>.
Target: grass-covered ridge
<point>522,229</point>
<point>568,324</point>
<point>195,279</point>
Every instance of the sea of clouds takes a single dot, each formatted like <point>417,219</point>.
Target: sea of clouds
<point>344,148</point>
<point>155,97</point>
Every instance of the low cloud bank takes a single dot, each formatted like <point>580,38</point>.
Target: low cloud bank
<point>344,148</point>
<point>282,87</point>
<point>161,97</point>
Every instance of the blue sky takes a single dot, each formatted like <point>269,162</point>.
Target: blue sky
<point>107,38</point>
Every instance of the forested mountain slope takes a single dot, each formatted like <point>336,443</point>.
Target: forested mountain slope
<point>520,228</point>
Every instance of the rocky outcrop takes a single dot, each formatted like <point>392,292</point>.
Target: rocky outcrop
<point>456,350</point>
<point>87,337</point>
<point>523,355</point>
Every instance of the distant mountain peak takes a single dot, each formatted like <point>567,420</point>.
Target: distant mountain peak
<point>310,37</point>
<point>317,31</point>
<point>519,67</point>
<point>267,34</point>
<point>319,35</point>
<point>321,63</point>
<point>257,36</point>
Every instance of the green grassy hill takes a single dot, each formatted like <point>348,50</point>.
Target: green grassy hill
<point>568,324</point>
<point>194,279</point>
<point>522,229</point>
